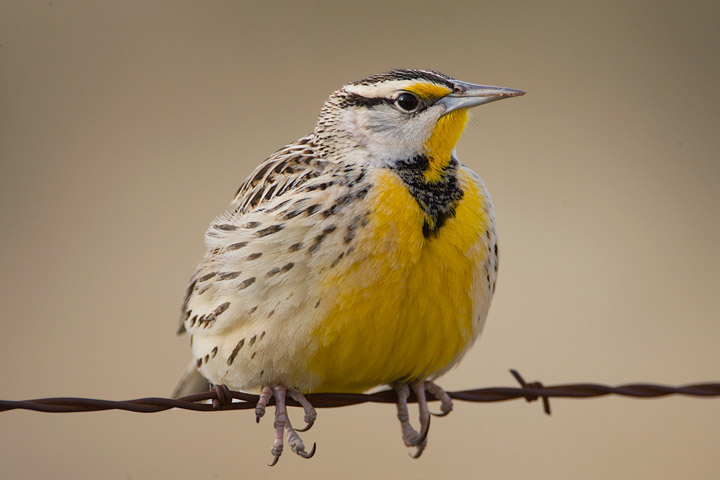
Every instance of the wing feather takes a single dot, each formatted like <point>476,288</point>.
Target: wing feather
<point>230,262</point>
<point>286,169</point>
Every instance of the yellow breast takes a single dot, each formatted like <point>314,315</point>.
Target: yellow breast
<point>403,304</point>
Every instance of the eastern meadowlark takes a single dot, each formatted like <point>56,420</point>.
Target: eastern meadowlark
<point>363,254</point>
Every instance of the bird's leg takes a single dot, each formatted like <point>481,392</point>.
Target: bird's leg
<point>446,403</point>
<point>419,390</point>
<point>281,419</point>
<point>411,437</point>
<point>408,432</point>
<point>265,395</point>
<point>310,413</point>
<point>282,424</point>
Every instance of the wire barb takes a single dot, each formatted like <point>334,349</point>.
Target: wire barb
<point>245,401</point>
<point>530,397</point>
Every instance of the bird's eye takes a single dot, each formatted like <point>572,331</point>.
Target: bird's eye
<point>407,102</point>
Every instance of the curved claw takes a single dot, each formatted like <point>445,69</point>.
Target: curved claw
<point>418,452</point>
<point>304,454</point>
<point>259,413</point>
<point>275,460</point>
<point>423,435</point>
<point>441,414</point>
<point>310,414</point>
<point>308,425</point>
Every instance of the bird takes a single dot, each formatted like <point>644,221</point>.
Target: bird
<point>361,255</point>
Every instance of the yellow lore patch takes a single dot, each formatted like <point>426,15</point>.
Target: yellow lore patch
<point>402,305</point>
<point>428,91</point>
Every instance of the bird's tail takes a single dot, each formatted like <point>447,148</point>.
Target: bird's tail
<point>190,382</point>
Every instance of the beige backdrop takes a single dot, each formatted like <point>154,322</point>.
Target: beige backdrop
<point>126,127</point>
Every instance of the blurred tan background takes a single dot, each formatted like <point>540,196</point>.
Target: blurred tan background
<point>125,127</point>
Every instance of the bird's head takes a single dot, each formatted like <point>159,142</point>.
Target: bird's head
<point>404,114</point>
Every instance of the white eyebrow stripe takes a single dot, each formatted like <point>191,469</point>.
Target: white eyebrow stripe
<point>385,89</point>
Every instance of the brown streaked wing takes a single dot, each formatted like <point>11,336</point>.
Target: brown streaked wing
<point>286,169</point>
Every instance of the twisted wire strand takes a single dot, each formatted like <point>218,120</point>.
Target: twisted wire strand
<point>243,401</point>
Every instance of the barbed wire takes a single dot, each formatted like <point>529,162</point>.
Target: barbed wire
<point>243,401</point>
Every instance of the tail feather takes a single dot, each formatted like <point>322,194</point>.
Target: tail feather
<point>190,382</point>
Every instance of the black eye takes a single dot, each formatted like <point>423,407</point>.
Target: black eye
<point>407,101</point>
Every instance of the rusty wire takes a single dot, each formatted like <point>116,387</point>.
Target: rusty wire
<point>528,391</point>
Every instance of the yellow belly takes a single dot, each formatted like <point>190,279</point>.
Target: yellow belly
<point>403,308</point>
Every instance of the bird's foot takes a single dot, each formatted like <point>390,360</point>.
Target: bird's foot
<point>446,403</point>
<point>310,413</point>
<point>282,422</point>
<point>265,395</point>
<point>411,437</point>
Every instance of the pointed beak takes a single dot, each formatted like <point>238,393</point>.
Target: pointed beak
<point>467,95</point>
